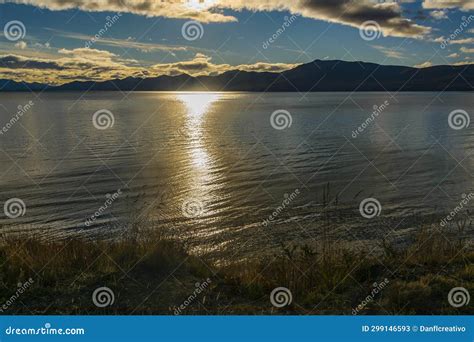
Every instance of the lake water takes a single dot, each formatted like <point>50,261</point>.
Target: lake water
<point>211,168</point>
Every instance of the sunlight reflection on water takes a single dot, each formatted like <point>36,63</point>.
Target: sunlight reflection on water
<point>220,149</point>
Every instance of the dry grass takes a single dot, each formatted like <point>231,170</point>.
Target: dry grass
<point>153,275</point>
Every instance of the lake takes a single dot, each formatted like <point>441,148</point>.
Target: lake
<point>223,174</point>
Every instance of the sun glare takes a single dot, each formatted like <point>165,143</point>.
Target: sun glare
<point>198,103</point>
<point>196,109</point>
<point>199,4</point>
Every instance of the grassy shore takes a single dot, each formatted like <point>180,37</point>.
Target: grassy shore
<point>156,276</point>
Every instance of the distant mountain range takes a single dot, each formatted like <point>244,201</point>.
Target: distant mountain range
<point>315,76</point>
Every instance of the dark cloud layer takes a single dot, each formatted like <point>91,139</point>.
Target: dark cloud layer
<point>99,65</point>
<point>347,12</point>
<point>19,62</point>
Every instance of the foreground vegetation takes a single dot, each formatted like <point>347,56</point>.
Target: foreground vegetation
<point>156,276</point>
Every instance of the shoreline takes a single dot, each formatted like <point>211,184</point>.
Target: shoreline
<point>149,274</point>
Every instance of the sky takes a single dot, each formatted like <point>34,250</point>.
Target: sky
<point>59,41</point>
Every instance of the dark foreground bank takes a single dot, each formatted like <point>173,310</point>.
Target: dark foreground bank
<point>155,275</point>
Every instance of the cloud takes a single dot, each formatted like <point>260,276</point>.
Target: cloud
<point>445,41</point>
<point>202,65</point>
<point>424,65</point>
<point>93,54</point>
<point>438,15</point>
<point>439,39</point>
<point>453,55</point>
<point>122,43</point>
<point>88,54</point>
<point>98,65</point>
<point>462,4</point>
<point>42,46</point>
<point>77,64</point>
<point>462,41</point>
<point>21,45</point>
<point>390,53</point>
<point>150,8</point>
<point>20,62</point>
<point>347,12</point>
<point>463,63</point>
<point>466,50</point>
<point>267,67</point>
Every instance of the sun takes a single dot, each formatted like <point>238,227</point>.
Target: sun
<point>199,4</point>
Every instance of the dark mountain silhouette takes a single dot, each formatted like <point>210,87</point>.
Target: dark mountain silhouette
<point>9,85</point>
<point>315,76</point>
